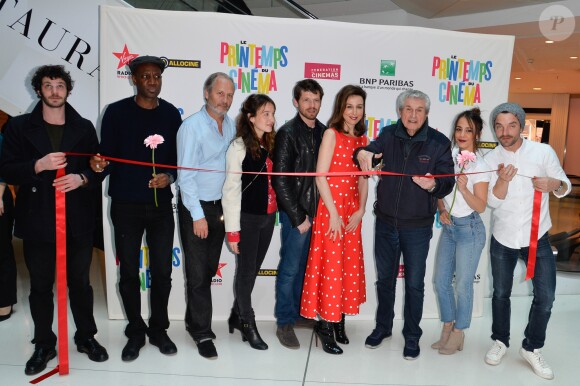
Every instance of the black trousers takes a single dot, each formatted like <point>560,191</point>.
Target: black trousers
<point>130,221</point>
<point>7,263</point>
<point>40,258</point>
<point>255,236</point>
<point>201,262</point>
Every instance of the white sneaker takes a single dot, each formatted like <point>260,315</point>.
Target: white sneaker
<point>539,365</point>
<point>495,353</point>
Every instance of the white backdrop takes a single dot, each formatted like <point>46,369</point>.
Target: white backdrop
<point>457,70</point>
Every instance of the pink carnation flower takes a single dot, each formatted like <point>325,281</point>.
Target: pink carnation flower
<point>464,158</point>
<point>153,140</point>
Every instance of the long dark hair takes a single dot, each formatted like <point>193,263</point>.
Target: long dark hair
<point>245,128</point>
<point>336,119</point>
<point>473,118</point>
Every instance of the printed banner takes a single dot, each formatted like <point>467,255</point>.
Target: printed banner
<point>268,55</point>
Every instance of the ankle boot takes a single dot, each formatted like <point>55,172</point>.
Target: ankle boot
<point>250,333</point>
<point>339,331</point>
<point>324,332</point>
<point>454,343</point>
<point>234,321</point>
<point>445,331</point>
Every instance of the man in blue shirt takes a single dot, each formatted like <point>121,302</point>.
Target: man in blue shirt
<point>202,141</point>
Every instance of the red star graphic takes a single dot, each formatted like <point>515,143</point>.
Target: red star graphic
<point>124,57</point>
<point>219,270</point>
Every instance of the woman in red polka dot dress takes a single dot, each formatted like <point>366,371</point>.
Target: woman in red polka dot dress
<point>334,283</point>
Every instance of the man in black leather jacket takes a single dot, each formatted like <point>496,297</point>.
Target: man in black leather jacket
<point>296,150</point>
<point>405,211</point>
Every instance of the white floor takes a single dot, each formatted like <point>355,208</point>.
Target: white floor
<point>240,365</point>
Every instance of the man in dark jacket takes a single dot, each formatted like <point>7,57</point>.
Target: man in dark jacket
<point>141,201</point>
<point>405,210</point>
<point>34,149</point>
<point>296,150</point>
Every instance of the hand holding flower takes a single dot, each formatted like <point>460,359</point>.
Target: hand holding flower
<point>152,142</point>
<point>160,181</point>
<point>464,158</point>
<point>462,183</point>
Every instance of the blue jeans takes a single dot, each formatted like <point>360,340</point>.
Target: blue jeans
<point>293,257</point>
<point>413,243</point>
<point>458,253</point>
<point>503,263</point>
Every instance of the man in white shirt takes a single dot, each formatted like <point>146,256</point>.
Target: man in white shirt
<point>523,167</point>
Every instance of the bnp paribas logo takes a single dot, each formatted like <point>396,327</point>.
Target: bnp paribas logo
<point>388,67</point>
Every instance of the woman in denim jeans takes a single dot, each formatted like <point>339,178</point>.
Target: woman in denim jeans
<point>463,235</point>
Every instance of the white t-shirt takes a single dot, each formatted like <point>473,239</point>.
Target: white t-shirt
<point>512,216</point>
<point>460,208</point>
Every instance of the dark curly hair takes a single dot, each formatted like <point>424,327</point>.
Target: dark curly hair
<point>51,72</point>
<point>245,128</point>
<point>337,120</point>
<point>474,121</point>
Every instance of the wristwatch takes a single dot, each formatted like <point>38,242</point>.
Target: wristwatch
<point>433,188</point>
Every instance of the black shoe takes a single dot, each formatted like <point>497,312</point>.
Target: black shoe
<point>250,333</point>
<point>161,340</point>
<point>93,349</point>
<point>325,333</point>
<point>131,350</point>
<point>207,349</point>
<point>376,337</point>
<point>411,350</point>
<point>234,322</point>
<point>339,332</point>
<point>38,360</point>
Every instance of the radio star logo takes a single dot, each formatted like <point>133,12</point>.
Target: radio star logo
<point>124,58</point>
<point>217,279</point>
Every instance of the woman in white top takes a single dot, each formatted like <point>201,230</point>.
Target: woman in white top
<point>463,236</point>
<point>249,205</point>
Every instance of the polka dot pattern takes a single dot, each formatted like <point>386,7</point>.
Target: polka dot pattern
<point>334,282</point>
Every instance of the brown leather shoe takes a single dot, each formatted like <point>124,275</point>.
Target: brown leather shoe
<point>287,337</point>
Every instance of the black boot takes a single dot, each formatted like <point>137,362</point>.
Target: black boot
<point>234,321</point>
<point>339,331</point>
<point>250,333</point>
<point>324,332</point>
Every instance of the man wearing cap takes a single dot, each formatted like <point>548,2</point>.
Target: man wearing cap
<point>203,139</point>
<point>523,167</point>
<point>142,201</point>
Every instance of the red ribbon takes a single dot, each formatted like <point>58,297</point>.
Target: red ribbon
<point>534,235</point>
<point>61,285</point>
<point>303,174</point>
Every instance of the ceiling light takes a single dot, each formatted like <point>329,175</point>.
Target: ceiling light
<point>537,88</point>
<point>573,57</point>
<point>549,41</point>
<point>518,78</point>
